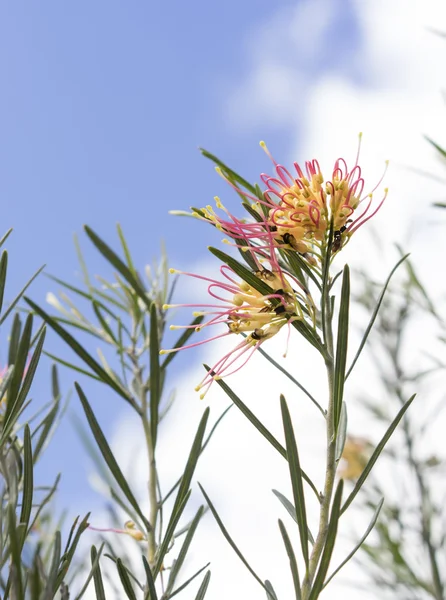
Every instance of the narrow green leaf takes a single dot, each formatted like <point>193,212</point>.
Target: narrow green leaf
<point>176,567</point>
<point>14,339</point>
<point>6,381</point>
<point>103,323</point>
<point>18,359</point>
<point>203,587</point>
<point>97,575</point>
<point>296,479</point>
<point>71,366</point>
<point>170,531</point>
<point>374,315</point>
<point>119,265</point>
<point>270,593</point>
<point>292,559</point>
<point>108,456</point>
<point>155,380</point>
<point>192,460</point>
<point>95,556</point>
<point>438,148</point>
<point>80,351</point>
<point>15,570</point>
<point>47,425</point>
<point>181,341</point>
<point>125,248</point>
<point>19,295</point>
<point>28,373</point>
<point>342,432</point>
<point>28,485</point>
<point>3,271</point>
<point>50,587</point>
<point>260,427</point>
<point>125,580</point>
<point>230,540</point>
<point>183,491</point>
<point>5,237</point>
<point>206,442</point>
<point>151,590</point>
<point>299,266</point>
<point>379,448</point>
<point>341,347</point>
<point>329,543</point>
<point>359,544</point>
<point>69,554</point>
<point>232,174</point>
<point>291,511</point>
<point>188,581</point>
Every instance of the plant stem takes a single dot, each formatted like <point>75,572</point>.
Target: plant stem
<point>330,468</point>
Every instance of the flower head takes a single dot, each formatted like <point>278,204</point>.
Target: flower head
<point>297,209</point>
<point>242,309</point>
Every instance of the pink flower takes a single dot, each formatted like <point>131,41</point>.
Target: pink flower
<point>243,310</point>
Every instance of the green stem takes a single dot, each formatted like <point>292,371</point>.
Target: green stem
<point>330,468</point>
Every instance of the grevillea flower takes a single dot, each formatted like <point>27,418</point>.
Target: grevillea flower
<point>297,209</point>
<point>243,310</point>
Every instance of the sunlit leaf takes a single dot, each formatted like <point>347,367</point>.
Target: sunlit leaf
<point>329,543</point>
<point>374,315</point>
<point>296,479</point>
<point>260,427</point>
<point>155,380</point>
<point>108,456</point>
<point>379,448</point>
<point>292,559</point>
<point>341,348</point>
<point>359,544</point>
<point>230,540</point>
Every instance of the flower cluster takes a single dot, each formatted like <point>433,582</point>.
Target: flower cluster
<point>244,310</point>
<point>296,211</point>
<point>299,213</point>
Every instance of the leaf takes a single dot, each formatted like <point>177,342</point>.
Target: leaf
<point>292,559</point>
<point>379,448</point>
<point>203,587</point>
<point>126,250</point>
<point>3,271</point>
<point>80,351</point>
<point>291,510</point>
<point>329,543</point>
<point>71,366</point>
<point>97,576</point>
<point>296,479</point>
<point>183,491</point>
<point>176,567</point>
<point>232,174</point>
<point>229,539</point>
<point>19,359</point>
<point>186,583</point>
<point>438,148</point>
<point>95,556</point>
<point>341,348</point>
<point>155,381</point>
<point>19,295</point>
<point>125,580</point>
<point>108,456</point>
<point>342,432</point>
<point>119,265</point>
<point>361,541</point>
<point>69,552</point>
<point>260,427</point>
<point>28,484</point>
<point>151,590</point>
<point>374,315</point>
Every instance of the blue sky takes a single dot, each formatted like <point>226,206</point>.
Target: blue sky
<point>103,108</point>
